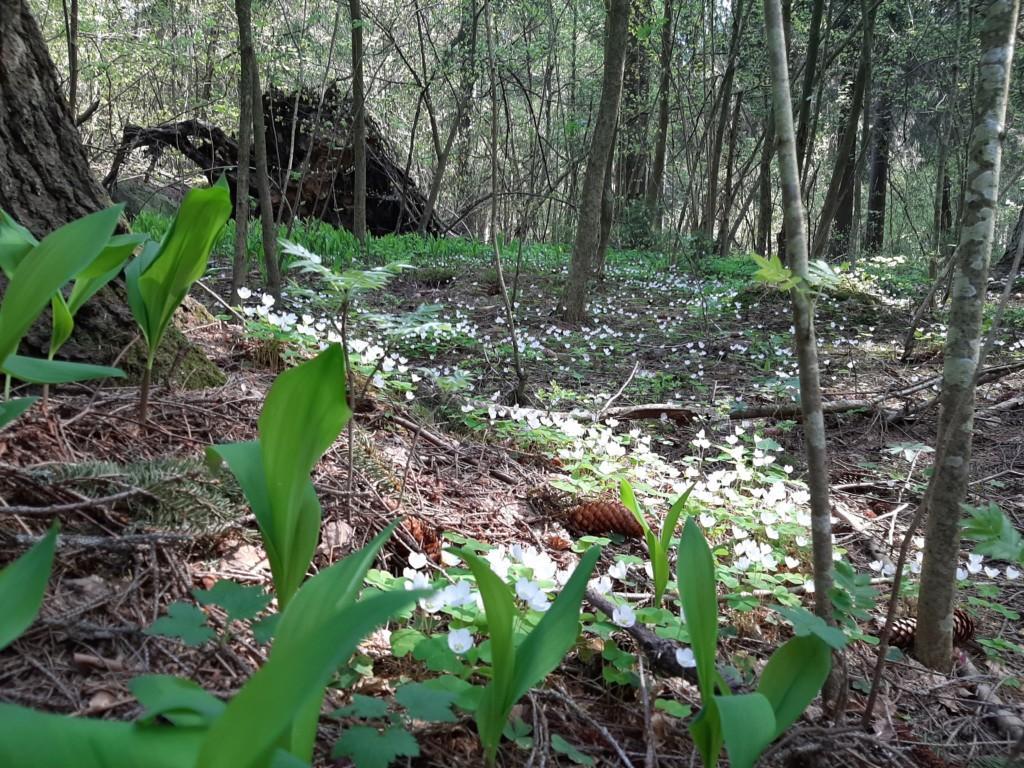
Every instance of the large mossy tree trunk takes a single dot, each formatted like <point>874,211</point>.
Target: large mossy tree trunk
<point>45,182</point>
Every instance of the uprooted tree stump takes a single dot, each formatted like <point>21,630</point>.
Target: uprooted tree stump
<point>309,157</point>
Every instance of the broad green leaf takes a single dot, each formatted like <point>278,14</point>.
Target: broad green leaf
<point>428,704</point>
<point>39,371</point>
<point>180,701</point>
<point>15,243</point>
<point>365,707</point>
<point>12,409</point>
<point>700,605</point>
<point>59,257</point>
<point>304,413</point>
<point>319,629</point>
<point>673,708</point>
<point>628,499</point>
<point>748,726</point>
<point>668,529</point>
<point>995,533</point>
<point>183,621</point>
<point>239,601</point>
<point>61,323</point>
<point>30,739</point>
<point>556,632</point>
<point>560,745</point>
<point>370,748</point>
<point>87,283</point>
<point>706,732</point>
<point>104,269</point>
<point>500,610</point>
<point>22,586</point>
<point>806,623</point>
<point>245,461</point>
<point>162,278</point>
<point>792,678</point>
<point>405,640</point>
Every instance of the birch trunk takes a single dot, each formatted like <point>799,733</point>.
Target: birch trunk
<point>803,312</point>
<point>948,486</point>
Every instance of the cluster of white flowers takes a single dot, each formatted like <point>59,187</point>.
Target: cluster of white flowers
<point>975,566</point>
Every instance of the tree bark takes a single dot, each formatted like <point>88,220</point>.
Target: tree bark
<point>878,176</point>
<point>803,138</point>
<point>588,229</point>
<point>240,264</point>
<point>358,127</point>
<point>243,9</point>
<point>45,182</point>
<point>803,314</point>
<point>840,183</point>
<point>632,138</point>
<point>656,182</point>
<point>948,486</point>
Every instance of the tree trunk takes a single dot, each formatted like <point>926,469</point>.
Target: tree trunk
<point>243,8</point>
<point>840,183</point>
<point>45,182</point>
<point>948,486</point>
<point>803,137</point>
<point>358,128</point>
<point>1002,266</point>
<point>763,235</point>
<point>878,176</point>
<point>657,179</point>
<point>240,265</point>
<point>803,314</point>
<point>724,102</point>
<point>588,229</point>
<point>632,136</point>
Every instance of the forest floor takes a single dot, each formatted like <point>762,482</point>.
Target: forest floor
<point>436,437</point>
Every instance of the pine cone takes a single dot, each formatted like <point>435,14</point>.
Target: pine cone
<point>426,536</point>
<point>903,630</point>
<point>604,516</point>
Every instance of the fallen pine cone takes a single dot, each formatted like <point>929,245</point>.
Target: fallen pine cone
<point>903,630</point>
<point>598,516</point>
<point>426,537</point>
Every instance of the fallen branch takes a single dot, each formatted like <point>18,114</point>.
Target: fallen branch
<point>660,652</point>
<point>56,509</point>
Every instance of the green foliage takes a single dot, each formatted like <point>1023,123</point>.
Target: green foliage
<point>304,413</point>
<point>275,711</point>
<point>22,586</point>
<point>745,723</point>
<point>160,277</point>
<point>994,533</point>
<point>183,621</point>
<point>36,272</point>
<point>516,670</point>
<point>371,748</point>
<point>657,545</point>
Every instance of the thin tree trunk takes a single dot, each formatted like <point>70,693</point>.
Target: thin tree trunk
<point>803,314</point>
<point>468,79</point>
<point>71,31</point>
<point>656,182</point>
<point>243,9</point>
<point>948,486</point>
<point>810,69</point>
<point>724,102</point>
<point>763,236</point>
<point>588,229</point>
<point>841,178</point>
<point>240,264</point>
<point>878,176</point>
<point>358,128</point>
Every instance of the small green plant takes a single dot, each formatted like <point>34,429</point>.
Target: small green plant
<point>516,670</point>
<point>995,533</point>
<point>304,413</point>
<point>658,545</point>
<point>36,272</point>
<point>160,277</point>
<point>271,721</point>
<point>744,723</point>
